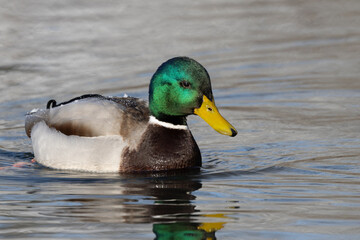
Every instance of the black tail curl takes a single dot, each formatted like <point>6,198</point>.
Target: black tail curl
<point>52,103</point>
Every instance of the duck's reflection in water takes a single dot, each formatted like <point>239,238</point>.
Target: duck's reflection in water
<point>167,201</point>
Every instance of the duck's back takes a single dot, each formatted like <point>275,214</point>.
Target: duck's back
<point>92,116</point>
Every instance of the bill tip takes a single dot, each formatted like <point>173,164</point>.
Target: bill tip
<point>234,132</point>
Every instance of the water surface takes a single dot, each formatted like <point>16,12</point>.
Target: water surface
<point>284,73</point>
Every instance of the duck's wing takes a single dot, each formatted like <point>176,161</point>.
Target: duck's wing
<point>88,133</point>
<point>92,115</point>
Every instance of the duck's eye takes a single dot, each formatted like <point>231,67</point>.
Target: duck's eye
<point>185,84</point>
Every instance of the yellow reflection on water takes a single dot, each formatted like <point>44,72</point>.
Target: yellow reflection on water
<point>189,230</point>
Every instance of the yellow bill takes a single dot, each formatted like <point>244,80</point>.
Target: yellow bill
<point>211,115</point>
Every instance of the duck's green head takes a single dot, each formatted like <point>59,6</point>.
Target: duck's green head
<point>180,87</point>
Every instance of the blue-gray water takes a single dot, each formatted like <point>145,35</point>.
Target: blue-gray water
<point>284,73</point>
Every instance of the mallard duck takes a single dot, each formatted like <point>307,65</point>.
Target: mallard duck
<point>125,134</point>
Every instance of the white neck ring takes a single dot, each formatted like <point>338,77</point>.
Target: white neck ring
<point>154,120</point>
